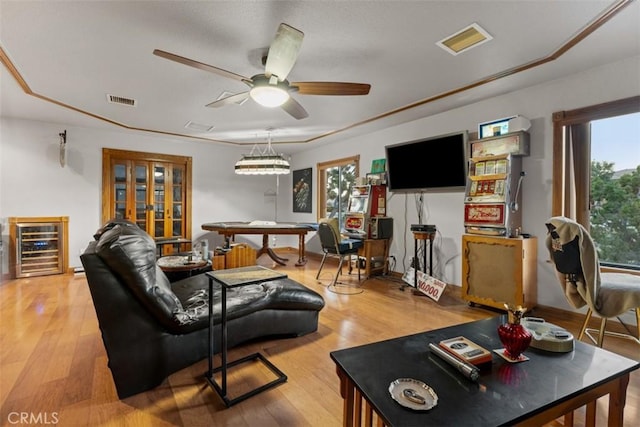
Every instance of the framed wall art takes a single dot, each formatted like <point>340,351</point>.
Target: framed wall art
<point>302,190</point>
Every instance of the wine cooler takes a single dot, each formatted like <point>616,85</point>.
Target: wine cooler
<point>38,246</point>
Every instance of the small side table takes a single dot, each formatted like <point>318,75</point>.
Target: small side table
<point>423,236</point>
<point>179,266</point>
<point>228,279</point>
<point>374,248</point>
<point>180,263</point>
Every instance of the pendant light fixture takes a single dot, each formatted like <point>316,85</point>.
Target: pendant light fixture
<point>262,162</point>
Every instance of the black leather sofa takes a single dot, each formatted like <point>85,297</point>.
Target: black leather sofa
<point>152,328</point>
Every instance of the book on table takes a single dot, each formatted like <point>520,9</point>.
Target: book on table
<point>466,350</point>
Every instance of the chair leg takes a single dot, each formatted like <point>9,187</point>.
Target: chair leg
<point>345,288</point>
<point>602,330</point>
<point>586,330</point>
<point>335,279</point>
<point>587,317</point>
<point>324,257</point>
<point>603,325</point>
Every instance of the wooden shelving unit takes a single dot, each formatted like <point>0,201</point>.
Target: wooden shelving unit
<point>38,246</point>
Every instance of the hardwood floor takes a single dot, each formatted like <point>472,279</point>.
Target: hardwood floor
<point>53,366</point>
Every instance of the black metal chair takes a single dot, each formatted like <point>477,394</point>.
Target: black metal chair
<point>608,295</point>
<point>334,245</point>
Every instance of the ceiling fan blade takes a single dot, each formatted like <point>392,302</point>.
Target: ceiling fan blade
<point>199,65</point>
<point>294,108</point>
<point>283,51</point>
<point>231,99</point>
<point>331,88</point>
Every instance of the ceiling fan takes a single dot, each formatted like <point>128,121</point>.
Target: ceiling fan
<point>272,89</point>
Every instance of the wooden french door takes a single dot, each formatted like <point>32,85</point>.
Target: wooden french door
<point>152,190</point>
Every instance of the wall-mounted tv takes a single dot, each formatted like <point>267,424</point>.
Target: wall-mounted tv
<point>435,164</point>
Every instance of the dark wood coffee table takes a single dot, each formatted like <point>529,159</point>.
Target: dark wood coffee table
<point>535,392</point>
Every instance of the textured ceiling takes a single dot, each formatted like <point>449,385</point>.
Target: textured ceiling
<point>70,55</point>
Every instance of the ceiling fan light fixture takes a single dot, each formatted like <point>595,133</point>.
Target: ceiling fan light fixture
<point>269,96</point>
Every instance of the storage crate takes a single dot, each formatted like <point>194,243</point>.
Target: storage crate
<point>240,255</point>
<point>218,262</point>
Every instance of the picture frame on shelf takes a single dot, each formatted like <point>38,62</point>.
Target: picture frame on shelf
<point>376,178</point>
<point>378,166</point>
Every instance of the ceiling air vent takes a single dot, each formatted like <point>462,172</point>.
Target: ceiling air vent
<point>199,127</point>
<point>113,99</point>
<point>472,36</point>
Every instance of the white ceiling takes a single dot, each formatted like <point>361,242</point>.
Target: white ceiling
<point>72,54</point>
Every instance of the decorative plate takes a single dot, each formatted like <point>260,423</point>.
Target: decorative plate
<point>413,394</point>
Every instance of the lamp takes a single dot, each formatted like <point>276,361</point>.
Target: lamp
<point>269,92</point>
<point>259,162</point>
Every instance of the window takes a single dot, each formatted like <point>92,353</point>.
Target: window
<point>335,179</point>
<point>597,186</point>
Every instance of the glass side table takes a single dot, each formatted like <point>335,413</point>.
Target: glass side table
<point>229,279</point>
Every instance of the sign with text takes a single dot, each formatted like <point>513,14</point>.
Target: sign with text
<point>407,277</point>
<point>430,286</point>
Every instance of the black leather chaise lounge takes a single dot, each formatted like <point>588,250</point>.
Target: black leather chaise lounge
<point>152,328</point>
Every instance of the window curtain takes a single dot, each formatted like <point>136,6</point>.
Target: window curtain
<point>578,173</point>
<point>571,169</point>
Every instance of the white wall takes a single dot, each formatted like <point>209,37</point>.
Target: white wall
<point>538,103</point>
<point>33,184</point>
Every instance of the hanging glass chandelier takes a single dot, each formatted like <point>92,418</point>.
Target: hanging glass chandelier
<point>262,162</point>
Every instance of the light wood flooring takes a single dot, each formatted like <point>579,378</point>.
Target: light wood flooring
<point>53,365</point>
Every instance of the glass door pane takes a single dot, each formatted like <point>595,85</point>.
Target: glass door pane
<point>339,180</point>
<point>120,190</point>
<point>346,181</point>
<point>159,180</point>
<point>38,248</point>
<point>141,195</point>
<point>332,208</point>
<point>177,189</point>
<point>615,174</point>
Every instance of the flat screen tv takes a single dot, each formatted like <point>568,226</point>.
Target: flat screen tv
<point>435,164</point>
